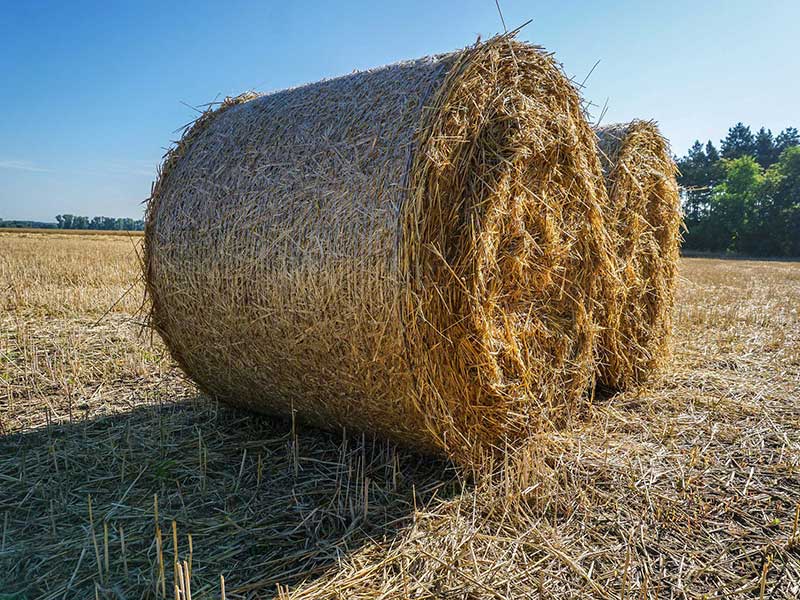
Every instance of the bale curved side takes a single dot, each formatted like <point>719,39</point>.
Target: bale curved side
<point>646,222</point>
<point>414,251</point>
<point>271,250</point>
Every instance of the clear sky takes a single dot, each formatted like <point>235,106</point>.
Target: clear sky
<point>92,93</point>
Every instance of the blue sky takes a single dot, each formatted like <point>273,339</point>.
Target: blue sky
<point>93,92</point>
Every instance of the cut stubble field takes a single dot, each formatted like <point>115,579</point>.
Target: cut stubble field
<point>116,473</point>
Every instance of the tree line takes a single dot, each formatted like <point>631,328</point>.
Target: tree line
<point>745,197</point>
<point>78,222</point>
<point>102,223</point>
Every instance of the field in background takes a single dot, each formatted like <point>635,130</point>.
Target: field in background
<point>84,232</point>
<point>113,468</point>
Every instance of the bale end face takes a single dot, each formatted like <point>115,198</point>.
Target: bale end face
<point>645,220</point>
<point>506,248</point>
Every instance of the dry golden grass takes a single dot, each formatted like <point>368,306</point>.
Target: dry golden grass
<point>67,326</point>
<point>58,274</point>
<point>65,232</point>
<point>687,489</point>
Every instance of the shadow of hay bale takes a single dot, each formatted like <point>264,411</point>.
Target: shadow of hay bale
<point>263,504</point>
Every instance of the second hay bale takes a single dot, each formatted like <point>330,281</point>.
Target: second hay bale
<point>416,251</point>
<point>645,221</point>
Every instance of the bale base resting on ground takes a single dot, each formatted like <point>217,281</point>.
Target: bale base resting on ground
<point>415,251</point>
<point>645,221</point>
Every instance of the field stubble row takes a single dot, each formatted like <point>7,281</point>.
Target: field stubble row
<point>688,487</point>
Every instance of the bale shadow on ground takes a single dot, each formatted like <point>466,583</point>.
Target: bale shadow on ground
<point>264,502</point>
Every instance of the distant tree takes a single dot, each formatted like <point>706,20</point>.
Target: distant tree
<point>697,153</point>
<point>739,142</point>
<point>787,138</point>
<point>700,171</point>
<point>100,223</point>
<point>734,201</point>
<point>748,199</point>
<point>693,182</point>
<point>765,151</point>
<point>782,218</point>
<point>711,153</point>
<point>692,164</point>
<point>15,224</point>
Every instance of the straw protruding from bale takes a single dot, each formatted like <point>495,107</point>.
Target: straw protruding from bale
<point>415,251</point>
<point>646,222</point>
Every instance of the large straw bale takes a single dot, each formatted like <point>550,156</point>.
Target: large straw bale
<point>414,251</point>
<point>646,223</point>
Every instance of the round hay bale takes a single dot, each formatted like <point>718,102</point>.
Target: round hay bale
<point>645,219</point>
<point>414,251</point>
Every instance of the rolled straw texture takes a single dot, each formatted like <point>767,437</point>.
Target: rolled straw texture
<point>646,222</point>
<point>414,251</point>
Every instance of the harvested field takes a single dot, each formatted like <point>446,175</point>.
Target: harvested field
<point>80,232</point>
<point>688,488</point>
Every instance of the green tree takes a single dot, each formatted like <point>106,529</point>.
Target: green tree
<point>733,204</point>
<point>692,168</point>
<point>765,151</point>
<point>700,170</point>
<point>747,200</point>
<point>783,203</point>
<point>692,182</point>
<point>739,142</point>
<point>711,153</point>
<point>787,138</point>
